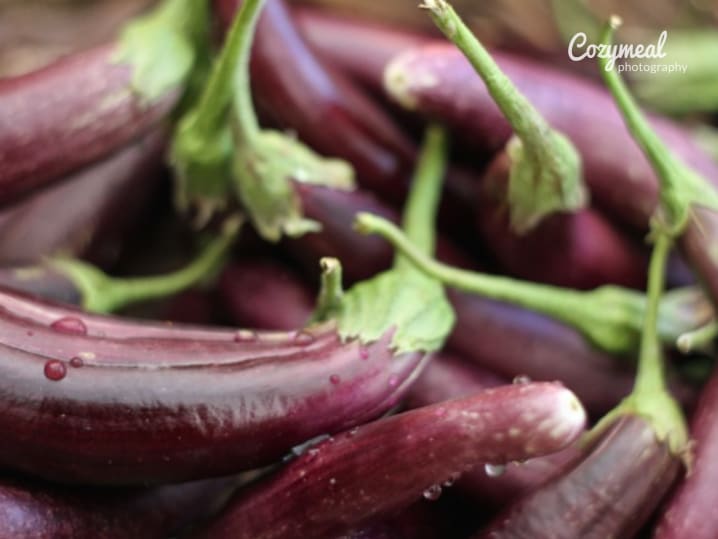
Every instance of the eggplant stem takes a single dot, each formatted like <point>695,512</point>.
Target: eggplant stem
<point>102,293</point>
<point>423,199</point>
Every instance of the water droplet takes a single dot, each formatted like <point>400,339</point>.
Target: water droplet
<point>55,370</point>
<point>245,335</point>
<point>494,470</point>
<point>440,411</point>
<point>432,493</point>
<point>393,380</point>
<point>354,431</point>
<point>302,337</point>
<point>521,379</point>
<point>333,481</point>
<point>453,478</point>
<point>70,324</point>
<point>76,362</point>
<point>334,379</point>
<point>363,352</point>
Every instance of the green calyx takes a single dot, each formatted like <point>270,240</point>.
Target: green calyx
<point>103,293</point>
<point>402,299</point>
<point>610,317</point>
<point>162,46</point>
<point>266,162</point>
<point>546,171</point>
<point>650,398</point>
<point>264,169</point>
<point>681,187</point>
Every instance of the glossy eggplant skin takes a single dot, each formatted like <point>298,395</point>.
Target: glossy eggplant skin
<point>384,466</point>
<point>449,377</point>
<point>95,400</point>
<point>610,493</point>
<point>621,181</point>
<point>69,114</point>
<point>31,510</point>
<point>691,508</point>
<point>581,250</point>
<point>43,224</point>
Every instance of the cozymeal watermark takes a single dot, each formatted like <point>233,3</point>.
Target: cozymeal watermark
<point>579,49</point>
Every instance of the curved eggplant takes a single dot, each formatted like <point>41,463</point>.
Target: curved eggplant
<point>97,400</point>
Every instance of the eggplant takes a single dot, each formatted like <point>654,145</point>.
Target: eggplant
<point>100,400</point>
<point>384,466</point>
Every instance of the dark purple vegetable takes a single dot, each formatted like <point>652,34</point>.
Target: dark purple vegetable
<point>262,294</point>
<point>609,493</point>
<point>101,400</point>
<point>578,250</point>
<point>690,511</point>
<point>69,114</point>
<point>438,81</point>
<point>449,377</point>
<point>30,510</point>
<point>384,466</point>
<point>87,214</point>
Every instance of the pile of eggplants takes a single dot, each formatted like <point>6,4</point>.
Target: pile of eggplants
<point>265,418</point>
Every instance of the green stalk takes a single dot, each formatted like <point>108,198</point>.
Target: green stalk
<point>681,187</point>
<point>650,377</point>
<point>102,293</point>
<point>402,300</point>
<point>546,174</point>
<point>610,317</point>
<point>424,197</point>
<point>700,339</point>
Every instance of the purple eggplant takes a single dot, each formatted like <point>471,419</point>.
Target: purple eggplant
<point>384,466</point>
<point>86,214</point>
<point>690,511</point>
<point>30,510</point>
<point>449,377</point>
<point>78,109</point>
<point>101,400</point>
<point>88,105</point>
<point>611,492</point>
<point>578,250</point>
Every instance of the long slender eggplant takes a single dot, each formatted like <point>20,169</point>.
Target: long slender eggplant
<point>609,493</point>
<point>384,466</point>
<point>87,105</point>
<point>438,81</point>
<point>263,294</point>
<point>85,215</point>
<point>148,403</point>
<point>450,377</point>
<point>579,250</point>
<point>690,511</point>
<point>32,510</point>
